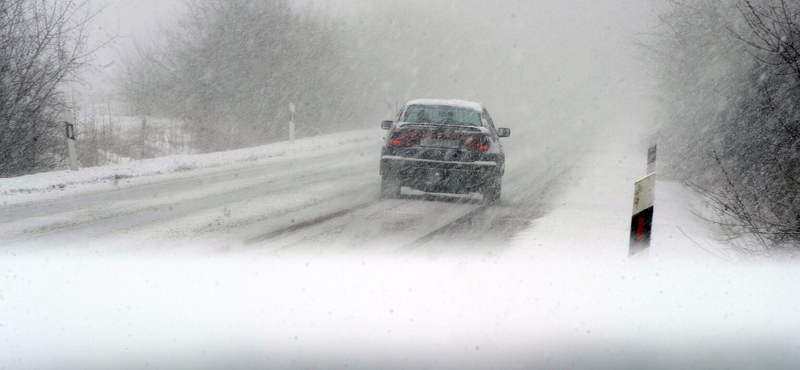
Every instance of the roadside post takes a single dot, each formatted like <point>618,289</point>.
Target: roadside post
<point>651,154</point>
<point>70,130</point>
<point>291,124</point>
<point>643,199</point>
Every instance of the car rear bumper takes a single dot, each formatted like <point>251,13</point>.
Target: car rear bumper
<point>440,176</point>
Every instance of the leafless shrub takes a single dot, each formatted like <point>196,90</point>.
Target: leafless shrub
<point>231,68</point>
<point>731,77</point>
<point>42,44</point>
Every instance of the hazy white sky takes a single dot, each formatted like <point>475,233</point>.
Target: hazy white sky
<point>115,27</point>
<point>129,20</point>
<point>574,22</point>
<point>121,23</point>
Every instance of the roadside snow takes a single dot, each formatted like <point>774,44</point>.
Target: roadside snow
<point>566,296</point>
<point>592,214</point>
<point>593,208</point>
<point>43,186</point>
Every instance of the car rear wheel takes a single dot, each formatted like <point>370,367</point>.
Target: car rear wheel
<point>492,192</point>
<point>389,188</point>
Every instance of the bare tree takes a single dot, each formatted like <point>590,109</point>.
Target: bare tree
<point>771,177</point>
<point>731,77</point>
<point>230,69</point>
<point>42,44</point>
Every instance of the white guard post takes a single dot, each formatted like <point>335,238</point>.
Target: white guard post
<point>70,130</point>
<point>643,199</point>
<point>642,220</point>
<point>291,124</point>
<point>651,154</point>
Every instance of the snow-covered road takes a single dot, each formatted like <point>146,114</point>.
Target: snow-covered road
<point>285,257</point>
<point>315,200</point>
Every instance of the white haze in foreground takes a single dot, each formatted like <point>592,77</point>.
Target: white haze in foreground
<point>566,295</point>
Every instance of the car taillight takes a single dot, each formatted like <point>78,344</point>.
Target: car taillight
<point>477,143</point>
<point>404,138</point>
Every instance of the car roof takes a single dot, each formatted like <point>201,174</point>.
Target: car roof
<point>478,107</point>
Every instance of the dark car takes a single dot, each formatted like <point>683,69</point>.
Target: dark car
<point>443,146</point>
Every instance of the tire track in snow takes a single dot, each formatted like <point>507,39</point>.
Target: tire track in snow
<point>143,208</point>
<point>305,224</point>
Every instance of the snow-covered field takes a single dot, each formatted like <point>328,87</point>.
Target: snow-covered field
<point>565,294</point>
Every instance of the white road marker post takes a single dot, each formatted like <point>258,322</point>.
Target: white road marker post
<point>643,199</point>
<point>291,124</point>
<point>651,154</point>
<point>642,220</point>
<point>70,130</point>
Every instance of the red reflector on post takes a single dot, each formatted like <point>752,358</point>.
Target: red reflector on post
<point>642,220</point>
<point>640,230</point>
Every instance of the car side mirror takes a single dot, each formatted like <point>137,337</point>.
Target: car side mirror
<point>386,124</point>
<point>503,132</point>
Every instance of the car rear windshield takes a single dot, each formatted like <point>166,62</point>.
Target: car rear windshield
<point>441,114</point>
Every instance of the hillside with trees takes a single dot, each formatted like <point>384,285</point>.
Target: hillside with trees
<point>729,74</point>
<point>42,46</point>
<point>231,69</point>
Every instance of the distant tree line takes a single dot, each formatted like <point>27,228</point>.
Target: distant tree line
<point>231,68</point>
<point>729,73</point>
<point>227,71</point>
<point>42,45</point>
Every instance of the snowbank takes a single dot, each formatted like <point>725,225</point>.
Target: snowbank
<point>565,296</point>
<point>103,177</point>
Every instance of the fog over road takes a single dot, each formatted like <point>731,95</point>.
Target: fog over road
<point>553,73</point>
<point>285,256</point>
<point>315,203</point>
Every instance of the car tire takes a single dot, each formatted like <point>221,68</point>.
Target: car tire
<point>492,192</point>
<point>389,188</point>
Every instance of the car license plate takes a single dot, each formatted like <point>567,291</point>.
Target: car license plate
<point>439,143</point>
